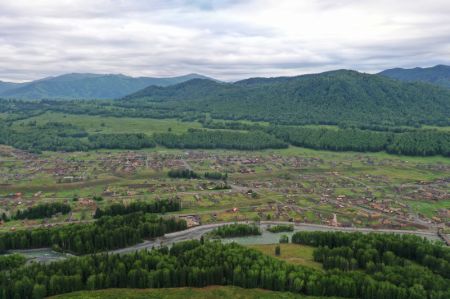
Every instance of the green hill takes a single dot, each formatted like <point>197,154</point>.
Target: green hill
<point>437,75</point>
<point>86,86</point>
<point>335,97</point>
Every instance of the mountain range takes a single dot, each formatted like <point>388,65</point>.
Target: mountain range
<point>85,86</point>
<point>340,96</point>
<point>437,75</point>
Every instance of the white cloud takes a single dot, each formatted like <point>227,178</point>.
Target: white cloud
<point>227,39</point>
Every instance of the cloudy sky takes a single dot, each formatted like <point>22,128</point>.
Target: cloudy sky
<point>226,39</point>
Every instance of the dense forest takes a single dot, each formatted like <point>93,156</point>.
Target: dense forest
<point>438,75</point>
<point>414,143</point>
<point>44,210</point>
<point>202,263</point>
<point>254,140</point>
<point>108,232</point>
<point>55,136</point>
<point>372,253</point>
<point>157,206</point>
<point>337,97</point>
<point>121,141</point>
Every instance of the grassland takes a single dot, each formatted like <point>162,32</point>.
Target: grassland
<point>101,124</point>
<point>211,292</point>
<point>291,253</point>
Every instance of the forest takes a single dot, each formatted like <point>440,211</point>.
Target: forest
<point>202,263</point>
<point>329,98</point>
<point>220,134</point>
<point>280,228</point>
<point>107,233</point>
<point>254,140</point>
<point>120,141</point>
<point>44,210</point>
<point>379,252</point>
<point>234,230</point>
<point>157,206</point>
<point>413,143</point>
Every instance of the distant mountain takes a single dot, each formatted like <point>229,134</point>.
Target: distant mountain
<point>86,86</point>
<point>437,75</point>
<point>5,86</point>
<point>335,97</point>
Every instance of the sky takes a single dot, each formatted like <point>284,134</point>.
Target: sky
<point>225,39</point>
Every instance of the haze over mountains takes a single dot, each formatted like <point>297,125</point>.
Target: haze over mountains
<point>85,86</point>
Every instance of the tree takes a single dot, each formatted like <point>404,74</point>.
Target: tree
<point>277,250</point>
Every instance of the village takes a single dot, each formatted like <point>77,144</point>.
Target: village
<point>336,190</point>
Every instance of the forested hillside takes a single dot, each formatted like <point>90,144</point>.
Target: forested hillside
<point>437,75</point>
<point>328,98</point>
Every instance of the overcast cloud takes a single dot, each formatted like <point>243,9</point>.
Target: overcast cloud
<point>226,39</point>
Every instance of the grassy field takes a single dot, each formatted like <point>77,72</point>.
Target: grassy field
<point>428,208</point>
<point>211,292</point>
<point>101,124</point>
<point>291,253</point>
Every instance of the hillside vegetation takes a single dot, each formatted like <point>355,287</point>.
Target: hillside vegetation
<point>328,98</point>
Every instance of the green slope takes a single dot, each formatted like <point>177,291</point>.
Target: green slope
<point>328,98</point>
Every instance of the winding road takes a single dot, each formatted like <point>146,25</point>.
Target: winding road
<point>197,231</point>
<point>47,255</point>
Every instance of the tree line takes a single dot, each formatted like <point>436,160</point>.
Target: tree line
<point>281,228</point>
<point>253,140</point>
<point>183,174</point>
<point>121,141</point>
<point>107,233</point>
<point>190,174</point>
<point>44,210</point>
<point>157,206</point>
<point>414,143</point>
<point>199,264</point>
<point>234,230</point>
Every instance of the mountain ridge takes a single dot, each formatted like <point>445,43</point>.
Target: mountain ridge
<point>437,75</point>
<point>85,86</point>
<point>329,97</point>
